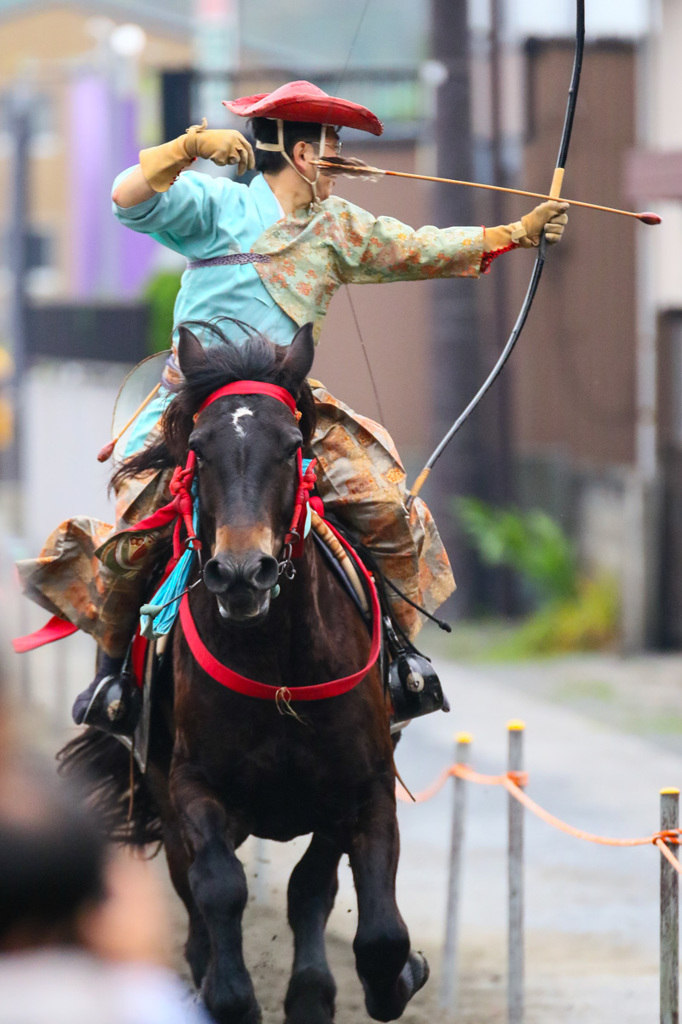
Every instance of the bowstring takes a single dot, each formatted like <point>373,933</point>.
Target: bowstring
<point>356,320</point>
<point>366,355</point>
<point>356,36</point>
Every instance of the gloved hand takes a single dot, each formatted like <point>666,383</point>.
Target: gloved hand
<point>221,145</point>
<point>526,232</point>
<point>162,164</point>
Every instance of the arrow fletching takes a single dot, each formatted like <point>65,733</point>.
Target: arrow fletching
<point>348,167</point>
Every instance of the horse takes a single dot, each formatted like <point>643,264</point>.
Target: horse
<point>224,765</point>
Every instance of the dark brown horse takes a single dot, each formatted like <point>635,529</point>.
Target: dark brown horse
<point>226,766</point>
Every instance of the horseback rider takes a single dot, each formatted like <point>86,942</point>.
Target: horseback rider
<point>271,254</point>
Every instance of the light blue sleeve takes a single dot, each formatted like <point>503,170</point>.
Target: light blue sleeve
<point>186,217</point>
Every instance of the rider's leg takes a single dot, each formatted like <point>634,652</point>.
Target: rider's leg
<point>361,480</point>
<point>69,580</point>
<point>111,701</point>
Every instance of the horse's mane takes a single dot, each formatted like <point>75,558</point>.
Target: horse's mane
<point>254,358</point>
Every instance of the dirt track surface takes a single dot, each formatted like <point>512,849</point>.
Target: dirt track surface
<point>591,911</point>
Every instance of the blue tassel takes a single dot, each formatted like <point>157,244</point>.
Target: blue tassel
<point>160,620</point>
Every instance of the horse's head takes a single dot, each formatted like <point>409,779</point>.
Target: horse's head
<point>246,448</point>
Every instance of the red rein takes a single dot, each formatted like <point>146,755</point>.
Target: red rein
<point>207,661</point>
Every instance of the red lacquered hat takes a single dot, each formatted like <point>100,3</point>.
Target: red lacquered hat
<point>303,101</point>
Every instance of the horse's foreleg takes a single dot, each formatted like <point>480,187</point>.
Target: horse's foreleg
<point>218,885</point>
<point>198,946</point>
<point>390,973</point>
<point>312,890</point>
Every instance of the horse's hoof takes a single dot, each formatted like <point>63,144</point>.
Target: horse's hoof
<point>389,1006</point>
<point>245,1012</point>
<point>416,972</point>
<point>310,997</point>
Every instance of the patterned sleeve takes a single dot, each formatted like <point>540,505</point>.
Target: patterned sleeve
<point>371,250</point>
<point>185,218</point>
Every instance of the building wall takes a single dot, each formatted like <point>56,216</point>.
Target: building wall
<point>574,375</point>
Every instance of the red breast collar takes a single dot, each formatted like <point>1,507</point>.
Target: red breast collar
<point>251,687</point>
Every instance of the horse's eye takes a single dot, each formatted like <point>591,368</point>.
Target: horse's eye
<point>292,452</point>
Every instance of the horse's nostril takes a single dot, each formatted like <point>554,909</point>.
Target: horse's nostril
<point>266,573</point>
<point>218,576</point>
<point>257,570</point>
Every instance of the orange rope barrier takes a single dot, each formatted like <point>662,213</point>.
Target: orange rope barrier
<point>513,781</point>
<point>669,855</point>
<point>462,771</point>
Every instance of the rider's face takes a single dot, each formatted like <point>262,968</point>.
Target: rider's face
<point>325,183</point>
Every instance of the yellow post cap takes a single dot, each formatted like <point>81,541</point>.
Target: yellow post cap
<point>670,791</point>
<point>463,737</point>
<point>516,725</point>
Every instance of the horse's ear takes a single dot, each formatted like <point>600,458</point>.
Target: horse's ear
<point>299,358</point>
<point>191,354</point>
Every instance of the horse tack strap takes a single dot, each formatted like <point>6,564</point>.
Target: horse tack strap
<point>250,387</point>
<point>306,481</point>
<point>55,628</point>
<point>251,688</point>
<point>296,533</point>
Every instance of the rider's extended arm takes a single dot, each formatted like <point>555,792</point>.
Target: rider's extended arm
<point>371,250</point>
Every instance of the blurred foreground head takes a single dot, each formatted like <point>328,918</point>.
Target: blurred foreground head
<point>52,860</point>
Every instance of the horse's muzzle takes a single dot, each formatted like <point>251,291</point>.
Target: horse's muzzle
<point>242,585</point>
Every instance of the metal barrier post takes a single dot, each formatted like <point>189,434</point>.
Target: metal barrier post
<point>516,936</point>
<point>670,801</point>
<point>450,966</point>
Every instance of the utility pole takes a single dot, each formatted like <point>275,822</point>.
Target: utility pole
<point>20,132</point>
<point>455,372</point>
<point>216,57</point>
<point>500,484</point>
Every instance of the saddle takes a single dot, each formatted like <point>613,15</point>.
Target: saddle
<point>410,681</point>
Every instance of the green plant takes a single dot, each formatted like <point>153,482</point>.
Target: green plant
<point>586,622</point>
<point>160,293</point>
<point>573,612</point>
<point>531,543</point>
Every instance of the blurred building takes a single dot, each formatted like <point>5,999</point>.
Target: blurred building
<point>574,374</point>
<point>597,379</point>
<point>576,431</point>
<point>653,177</point>
<point>91,93</point>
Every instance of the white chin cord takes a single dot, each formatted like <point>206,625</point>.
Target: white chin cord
<point>278,147</point>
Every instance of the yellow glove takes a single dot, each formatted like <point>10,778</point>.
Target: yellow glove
<point>221,145</point>
<point>161,164</point>
<point>526,232</point>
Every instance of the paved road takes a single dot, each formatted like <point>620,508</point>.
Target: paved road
<point>592,911</point>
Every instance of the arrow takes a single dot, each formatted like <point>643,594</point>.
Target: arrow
<point>358,169</point>
<point>108,450</point>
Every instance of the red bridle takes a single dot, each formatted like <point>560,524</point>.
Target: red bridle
<point>250,387</point>
<point>293,541</point>
<point>208,662</point>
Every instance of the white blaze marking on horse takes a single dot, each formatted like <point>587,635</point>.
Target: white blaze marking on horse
<point>236,416</point>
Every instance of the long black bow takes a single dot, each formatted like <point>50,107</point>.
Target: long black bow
<point>555,192</point>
